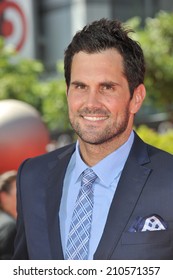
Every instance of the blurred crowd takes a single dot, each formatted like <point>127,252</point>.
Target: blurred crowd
<point>7,214</point>
<point>8,211</point>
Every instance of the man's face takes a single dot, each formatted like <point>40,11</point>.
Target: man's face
<point>98,97</point>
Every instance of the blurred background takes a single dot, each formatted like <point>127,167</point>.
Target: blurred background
<point>33,37</point>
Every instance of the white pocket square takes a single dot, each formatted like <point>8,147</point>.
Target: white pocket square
<point>149,223</point>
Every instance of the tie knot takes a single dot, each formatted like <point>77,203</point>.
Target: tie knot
<point>88,177</point>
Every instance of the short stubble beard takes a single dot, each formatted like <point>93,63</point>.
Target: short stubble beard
<point>112,131</point>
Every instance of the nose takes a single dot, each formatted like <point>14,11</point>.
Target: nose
<point>93,99</point>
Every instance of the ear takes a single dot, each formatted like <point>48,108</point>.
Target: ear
<point>137,99</point>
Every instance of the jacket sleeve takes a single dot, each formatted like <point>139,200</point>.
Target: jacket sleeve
<point>20,244</point>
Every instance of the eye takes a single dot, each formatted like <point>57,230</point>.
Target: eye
<point>107,87</point>
<point>79,86</point>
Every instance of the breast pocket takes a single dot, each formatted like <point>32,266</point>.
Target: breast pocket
<point>147,237</point>
<point>148,245</point>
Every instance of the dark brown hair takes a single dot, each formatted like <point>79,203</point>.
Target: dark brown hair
<point>105,34</point>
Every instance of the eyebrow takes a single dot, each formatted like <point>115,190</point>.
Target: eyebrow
<point>77,83</point>
<point>108,83</point>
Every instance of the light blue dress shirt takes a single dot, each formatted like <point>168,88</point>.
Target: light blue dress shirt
<point>108,171</point>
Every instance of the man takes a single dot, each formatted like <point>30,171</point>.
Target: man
<point>7,214</point>
<point>110,195</point>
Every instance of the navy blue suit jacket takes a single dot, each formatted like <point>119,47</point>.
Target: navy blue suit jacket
<point>145,188</point>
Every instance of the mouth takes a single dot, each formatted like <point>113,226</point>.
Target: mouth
<point>94,118</point>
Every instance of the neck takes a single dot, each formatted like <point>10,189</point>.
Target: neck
<point>93,153</point>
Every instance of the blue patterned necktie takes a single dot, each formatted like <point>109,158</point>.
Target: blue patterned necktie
<point>79,233</point>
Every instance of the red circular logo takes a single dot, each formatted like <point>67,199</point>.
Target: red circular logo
<point>7,28</point>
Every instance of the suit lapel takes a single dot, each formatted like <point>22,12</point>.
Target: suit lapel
<point>53,198</point>
<point>130,186</point>
<point>131,183</point>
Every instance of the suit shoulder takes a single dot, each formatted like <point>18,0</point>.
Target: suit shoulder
<point>160,160</point>
<point>44,159</point>
<point>154,151</point>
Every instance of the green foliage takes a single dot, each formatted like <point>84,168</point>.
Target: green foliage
<point>161,141</point>
<point>54,107</point>
<point>156,39</point>
<point>22,79</point>
<point>18,78</point>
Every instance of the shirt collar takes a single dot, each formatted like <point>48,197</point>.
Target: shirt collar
<point>108,168</point>
<point>80,165</point>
